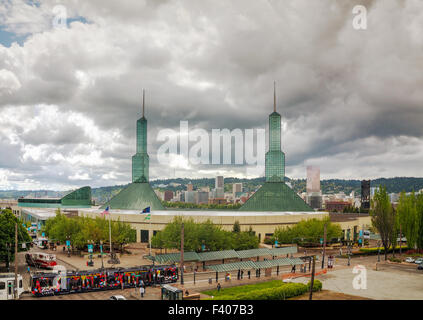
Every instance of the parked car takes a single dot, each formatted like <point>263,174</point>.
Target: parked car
<point>420,266</point>
<point>409,260</point>
<point>118,297</point>
<point>418,260</point>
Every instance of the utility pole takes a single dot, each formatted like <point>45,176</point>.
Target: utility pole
<point>182,254</point>
<point>101,253</point>
<point>324,246</point>
<point>312,279</point>
<point>15,287</point>
<point>400,240</point>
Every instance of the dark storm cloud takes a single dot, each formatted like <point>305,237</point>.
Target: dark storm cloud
<point>213,63</point>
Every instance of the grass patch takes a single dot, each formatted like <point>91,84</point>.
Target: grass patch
<point>244,288</point>
<point>270,290</point>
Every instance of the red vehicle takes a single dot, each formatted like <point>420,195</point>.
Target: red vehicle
<point>41,260</point>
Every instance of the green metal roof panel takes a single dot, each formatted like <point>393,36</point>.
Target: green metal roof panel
<point>275,196</point>
<point>284,250</point>
<point>136,196</point>
<point>217,255</point>
<point>242,265</point>
<point>254,253</point>
<point>82,196</point>
<point>176,257</point>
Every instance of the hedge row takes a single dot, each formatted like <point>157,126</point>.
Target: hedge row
<point>382,250</point>
<point>285,291</point>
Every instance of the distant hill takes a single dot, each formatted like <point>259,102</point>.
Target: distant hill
<point>393,185</point>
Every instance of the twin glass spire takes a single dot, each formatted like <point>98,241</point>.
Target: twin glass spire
<point>275,158</point>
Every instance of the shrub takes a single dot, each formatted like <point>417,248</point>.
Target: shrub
<point>369,251</point>
<point>316,287</point>
<point>284,291</point>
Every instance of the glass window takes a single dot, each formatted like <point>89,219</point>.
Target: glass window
<point>2,285</point>
<point>20,283</point>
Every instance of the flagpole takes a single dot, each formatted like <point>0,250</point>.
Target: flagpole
<point>149,234</point>
<point>110,234</point>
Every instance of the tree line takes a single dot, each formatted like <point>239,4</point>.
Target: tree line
<point>83,230</point>
<point>311,231</point>
<point>7,236</point>
<point>204,236</point>
<point>407,219</point>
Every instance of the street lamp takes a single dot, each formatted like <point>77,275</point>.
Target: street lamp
<point>101,254</point>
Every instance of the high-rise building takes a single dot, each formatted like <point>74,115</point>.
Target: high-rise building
<point>365,194</point>
<point>219,182</point>
<point>191,196</point>
<point>202,197</point>
<point>190,187</point>
<point>236,190</point>
<point>313,179</point>
<point>140,160</point>
<point>168,195</point>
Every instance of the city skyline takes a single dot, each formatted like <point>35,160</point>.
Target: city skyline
<point>67,119</point>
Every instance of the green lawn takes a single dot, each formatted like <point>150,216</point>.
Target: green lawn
<point>232,291</point>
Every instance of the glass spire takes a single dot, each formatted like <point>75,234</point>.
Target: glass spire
<point>275,158</point>
<point>140,160</point>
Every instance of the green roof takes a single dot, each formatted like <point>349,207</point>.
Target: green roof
<point>254,253</point>
<point>218,255</point>
<point>232,266</point>
<point>275,196</point>
<point>176,257</point>
<point>136,196</point>
<point>277,262</point>
<point>245,265</point>
<point>284,250</point>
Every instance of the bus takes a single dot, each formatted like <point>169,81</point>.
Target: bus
<point>41,260</point>
<point>47,284</point>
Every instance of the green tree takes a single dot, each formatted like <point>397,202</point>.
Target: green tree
<point>237,227</point>
<point>409,218</point>
<point>309,230</point>
<point>383,218</point>
<point>7,236</point>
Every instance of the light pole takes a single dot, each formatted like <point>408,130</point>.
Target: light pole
<point>101,254</point>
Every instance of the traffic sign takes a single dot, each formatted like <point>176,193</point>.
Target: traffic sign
<point>321,240</point>
<point>90,248</point>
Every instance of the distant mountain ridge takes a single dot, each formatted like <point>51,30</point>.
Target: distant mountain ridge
<point>101,194</point>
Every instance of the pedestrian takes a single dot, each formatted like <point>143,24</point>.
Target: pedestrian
<point>218,287</point>
<point>242,274</point>
<point>340,251</point>
<point>142,291</point>
<point>186,292</point>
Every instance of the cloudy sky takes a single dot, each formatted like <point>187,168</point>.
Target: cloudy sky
<point>70,89</point>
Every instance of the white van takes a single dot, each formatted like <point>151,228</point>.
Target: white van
<point>6,286</point>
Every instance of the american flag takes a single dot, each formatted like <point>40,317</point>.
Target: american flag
<point>105,211</point>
